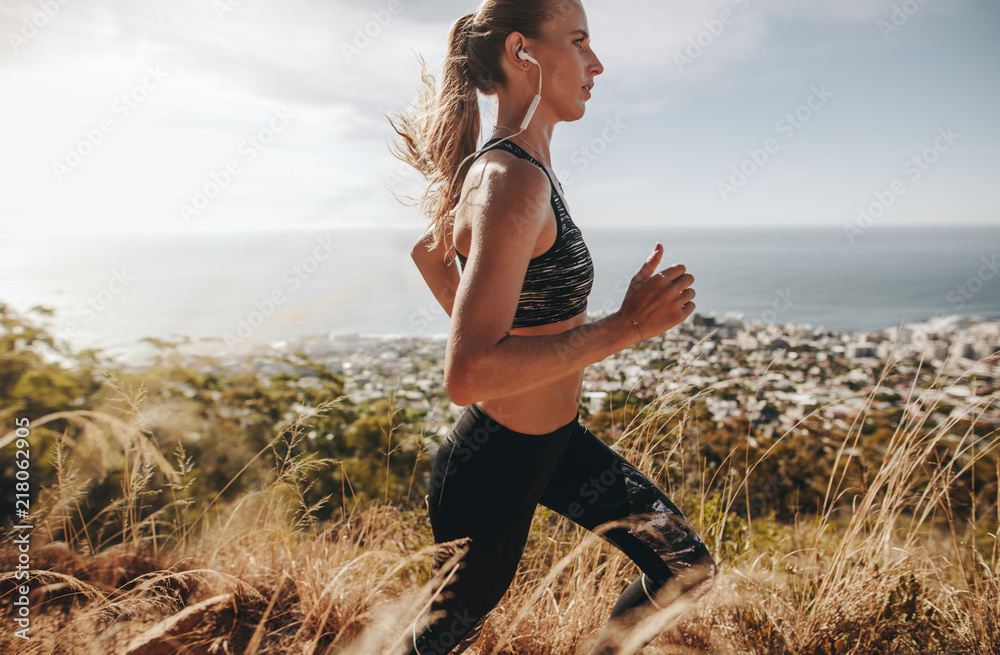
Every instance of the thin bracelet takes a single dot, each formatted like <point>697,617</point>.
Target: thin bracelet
<point>635,323</point>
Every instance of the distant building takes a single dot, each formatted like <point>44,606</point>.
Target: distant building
<point>903,335</point>
<point>596,401</point>
<point>702,325</point>
<point>860,349</point>
<point>896,350</point>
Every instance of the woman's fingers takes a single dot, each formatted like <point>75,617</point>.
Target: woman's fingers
<point>649,266</point>
<point>679,282</point>
<point>659,301</point>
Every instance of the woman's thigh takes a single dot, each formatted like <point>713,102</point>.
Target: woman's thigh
<point>485,485</point>
<point>599,489</point>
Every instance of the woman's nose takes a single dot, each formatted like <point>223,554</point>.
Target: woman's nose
<point>597,67</point>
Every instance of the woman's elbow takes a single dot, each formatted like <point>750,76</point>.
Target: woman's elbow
<point>418,253</point>
<point>459,381</point>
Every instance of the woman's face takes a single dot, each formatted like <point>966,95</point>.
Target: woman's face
<point>568,63</point>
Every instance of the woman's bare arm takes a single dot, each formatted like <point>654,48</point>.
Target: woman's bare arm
<point>517,364</point>
<point>482,360</point>
<point>438,269</point>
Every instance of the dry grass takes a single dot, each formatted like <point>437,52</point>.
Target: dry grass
<point>898,574</point>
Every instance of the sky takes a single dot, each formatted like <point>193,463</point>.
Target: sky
<point>195,116</point>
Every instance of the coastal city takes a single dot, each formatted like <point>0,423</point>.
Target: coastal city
<point>773,375</point>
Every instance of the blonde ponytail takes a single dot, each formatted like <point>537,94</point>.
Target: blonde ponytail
<point>443,128</point>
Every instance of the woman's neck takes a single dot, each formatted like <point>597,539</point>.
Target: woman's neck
<point>538,147</point>
<point>537,136</point>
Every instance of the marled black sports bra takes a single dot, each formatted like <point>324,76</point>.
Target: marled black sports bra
<point>558,281</point>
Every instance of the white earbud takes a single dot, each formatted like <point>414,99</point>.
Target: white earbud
<point>526,57</point>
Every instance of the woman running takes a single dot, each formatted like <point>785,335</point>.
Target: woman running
<point>519,336</point>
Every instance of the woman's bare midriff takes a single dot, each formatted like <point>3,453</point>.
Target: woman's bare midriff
<point>542,409</point>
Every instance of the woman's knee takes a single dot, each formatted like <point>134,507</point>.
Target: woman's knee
<point>680,553</point>
<point>703,571</point>
<point>689,579</point>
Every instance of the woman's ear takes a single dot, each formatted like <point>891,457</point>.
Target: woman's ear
<point>513,45</point>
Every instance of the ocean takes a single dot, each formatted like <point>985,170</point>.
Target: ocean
<point>110,291</point>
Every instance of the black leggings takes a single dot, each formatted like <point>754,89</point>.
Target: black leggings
<point>487,481</point>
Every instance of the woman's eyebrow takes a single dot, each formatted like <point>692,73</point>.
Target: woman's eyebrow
<point>581,32</point>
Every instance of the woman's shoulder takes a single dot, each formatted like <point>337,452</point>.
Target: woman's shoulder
<point>499,181</point>
<point>503,194</point>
